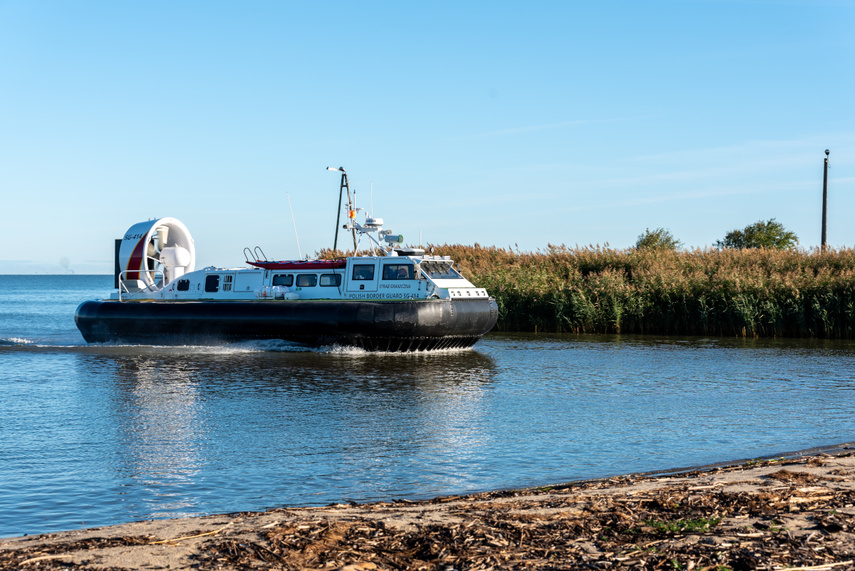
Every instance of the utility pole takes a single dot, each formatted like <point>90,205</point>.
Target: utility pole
<point>824,201</point>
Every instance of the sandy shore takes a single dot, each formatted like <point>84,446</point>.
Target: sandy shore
<point>795,512</point>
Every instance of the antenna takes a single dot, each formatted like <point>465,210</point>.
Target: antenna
<point>372,199</point>
<point>300,253</point>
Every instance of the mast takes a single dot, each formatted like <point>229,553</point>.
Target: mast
<point>350,212</point>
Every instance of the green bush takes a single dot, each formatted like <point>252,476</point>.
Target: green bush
<point>657,238</point>
<point>770,234</point>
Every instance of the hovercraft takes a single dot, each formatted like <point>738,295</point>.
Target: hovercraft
<point>394,299</point>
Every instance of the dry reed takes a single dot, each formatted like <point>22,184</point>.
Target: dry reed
<point>754,293</point>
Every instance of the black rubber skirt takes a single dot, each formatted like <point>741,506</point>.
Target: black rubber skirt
<point>405,325</point>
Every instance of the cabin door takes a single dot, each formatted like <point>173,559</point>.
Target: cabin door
<point>362,275</point>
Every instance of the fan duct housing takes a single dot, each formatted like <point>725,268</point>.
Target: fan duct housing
<point>154,253</point>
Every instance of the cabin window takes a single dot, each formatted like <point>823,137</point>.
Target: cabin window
<point>212,283</point>
<point>330,280</point>
<point>397,271</point>
<point>227,282</point>
<point>183,285</point>
<point>286,280</point>
<point>363,272</point>
<point>307,280</point>
<point>440,271</point>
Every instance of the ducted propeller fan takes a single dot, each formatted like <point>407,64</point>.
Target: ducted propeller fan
<point>154,253</point>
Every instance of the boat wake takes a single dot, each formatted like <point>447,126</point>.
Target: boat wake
<point>13,341</point>
<point>282,346</point>
<point>350,351</point>
<point>248,347</point>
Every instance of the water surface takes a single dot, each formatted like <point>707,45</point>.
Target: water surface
<point>103,434</point>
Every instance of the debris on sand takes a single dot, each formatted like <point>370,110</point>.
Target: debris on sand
<point>774,514</point>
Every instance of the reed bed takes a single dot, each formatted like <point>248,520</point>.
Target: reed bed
<point>749,293</point>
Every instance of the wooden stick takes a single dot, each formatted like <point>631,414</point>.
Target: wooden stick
<point>44,557</point>
<point>177,539</point>
<point>817,567</point>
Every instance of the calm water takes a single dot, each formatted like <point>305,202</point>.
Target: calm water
<point>96,435</point>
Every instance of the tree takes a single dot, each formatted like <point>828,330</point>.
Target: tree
<point>761,234</point>
<point>658,239</point>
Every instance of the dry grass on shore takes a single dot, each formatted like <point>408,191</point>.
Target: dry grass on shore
<point>785,514</point>
<point>766,293</point>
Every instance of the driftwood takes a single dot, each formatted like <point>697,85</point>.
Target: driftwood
<point>795,514</point>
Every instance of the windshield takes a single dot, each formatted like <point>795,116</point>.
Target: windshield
<point>440,271</point>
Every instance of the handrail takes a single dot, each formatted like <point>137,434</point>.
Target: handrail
<point>257,252</point>
<point>122,285</point>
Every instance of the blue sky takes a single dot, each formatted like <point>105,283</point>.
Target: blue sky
<point>510,124</point>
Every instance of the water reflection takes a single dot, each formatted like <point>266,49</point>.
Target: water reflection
<point>162,431</point>
<point>197,421</point>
